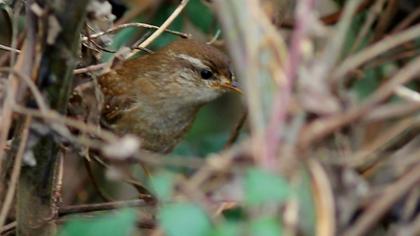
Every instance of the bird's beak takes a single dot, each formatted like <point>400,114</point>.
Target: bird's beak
<point>231,85</point>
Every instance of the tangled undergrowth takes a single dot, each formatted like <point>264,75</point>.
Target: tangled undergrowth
<point>323,141</point>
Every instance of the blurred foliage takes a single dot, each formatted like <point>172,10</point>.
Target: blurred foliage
<point>266,227</point>
<point>370,80</point>
<point>209,134</point>
<point>228,229</point>
<point>366,85</point>
<point>162,185</point>
<point>119,223</point>
<point>182,219</point>
<point>200,16</point>
<point>262,187</point>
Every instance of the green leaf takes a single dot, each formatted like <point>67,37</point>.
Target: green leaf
<point>123,38</point>
<point>235,214</point>
<point>264,187</point>
<point>266,227</point>
<point>121,223</point>
<point>228,229</point>
<point>200,15</point>
<point>162,185</point>
<point>303,188</point>
<point>162,14</point>
<point>369,83</point>
<point>183,219</point>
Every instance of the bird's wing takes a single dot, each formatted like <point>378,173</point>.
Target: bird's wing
<point>115,107</point>
<point>117,99</point>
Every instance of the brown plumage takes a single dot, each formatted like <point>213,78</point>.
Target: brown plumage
<point>157,96</point>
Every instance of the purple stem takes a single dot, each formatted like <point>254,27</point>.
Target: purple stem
<point>282,99</point>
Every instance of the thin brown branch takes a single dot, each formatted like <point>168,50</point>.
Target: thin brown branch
<point>87,208</point>
<point>11,98</point>
<point>391,111</point>
<point>52,116</point>
<point>236,130</point>
<point>332,18</point>
<point>7,48</point>
<point>376,49</point>
<point>83,208</point>
<point>375,10</point>
<point>137,25</point>
<point>325,126</point>
<point>8,228</point>
<point>386,17</point>
<point>31,85</point>
<point>7,204</point>
<point>380,206</point>
<point>407,21</point>
<point>324,199</point>
<point>90,68</point>
<point>387,138</point>
<point>94,182</point>
<point>163,27</point>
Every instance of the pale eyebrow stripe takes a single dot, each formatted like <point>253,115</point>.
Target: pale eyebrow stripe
<point>193,60</point>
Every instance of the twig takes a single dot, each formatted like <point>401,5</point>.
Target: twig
<point>86,208</point>
<point>324,199</point>
<point>410,53</point>
<point>128,178</point>
<point>92,178</point>
<point>137,25</point>
<point>90,68</point>
<point>7,228</point>
<point>236,131</point>
<point>163,27</point>
<point>282,98</point>
<point>391,111</point>
<point>415,226</point>
<point>375,10</point>
<point>376,49</point>
<point>335,44</point>
<point>390,136</point>
<point>31,85</point>
<point>66,210</point>
<point>215,37</point>
<point>407,94</point>
<point>7,48</point>
<point>5,57</point>
<point>391,194</point>
<point>143,49</point>
<point>12,88</point>
<point>407,21</point>
<point>99,47</point>
<point>24,65</point>
<point>324,126</point>
<point>332,18</point>
<point>386,17</point>
<point>15,173</point>
<point>257,49</point>
<point>55,117</point>
<point>15,31</point>
<point>108,137</point>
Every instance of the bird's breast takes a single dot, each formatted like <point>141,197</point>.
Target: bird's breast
<point>160,128</point>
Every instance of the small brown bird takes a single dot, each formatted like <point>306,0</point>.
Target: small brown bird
<point>157,96</point>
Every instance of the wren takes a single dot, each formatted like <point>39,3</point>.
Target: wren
<point>157,96</point>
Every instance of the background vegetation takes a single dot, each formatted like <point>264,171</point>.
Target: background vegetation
<point>329,146</point>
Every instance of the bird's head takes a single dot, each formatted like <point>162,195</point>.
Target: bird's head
<point>199,71</point>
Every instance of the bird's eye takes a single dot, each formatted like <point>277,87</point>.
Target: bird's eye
<point>206,74</point>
